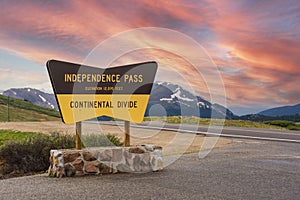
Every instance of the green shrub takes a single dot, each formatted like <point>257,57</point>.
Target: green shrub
<point>114,140</point>
<point>281,123</point>
<point>286,124</point>
<point>294,127</point>
<point>96,140</point>
<point>31,155</point>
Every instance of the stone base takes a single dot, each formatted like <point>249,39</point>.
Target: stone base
<point>105,160</point>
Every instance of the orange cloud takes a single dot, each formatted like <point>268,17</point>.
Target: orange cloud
<point>255,44</point>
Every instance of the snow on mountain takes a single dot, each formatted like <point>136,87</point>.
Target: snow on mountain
<point>177,101</point>
<point>34,96</point>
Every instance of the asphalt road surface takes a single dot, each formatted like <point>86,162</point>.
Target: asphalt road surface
<point>246,169</point>
<point>245,133</point>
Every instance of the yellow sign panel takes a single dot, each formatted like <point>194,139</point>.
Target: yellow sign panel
<point>85,92</point>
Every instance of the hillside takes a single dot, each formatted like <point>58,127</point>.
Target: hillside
<point>34,96</point>
<point>282,111</point>
<point>20,110</point>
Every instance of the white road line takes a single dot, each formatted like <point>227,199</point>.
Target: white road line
<point>210,134</point>
<point>220,135</point>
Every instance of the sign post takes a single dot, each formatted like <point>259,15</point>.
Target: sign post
<point>85,92</point>
<point>126,133</point>
<point>78,135</point>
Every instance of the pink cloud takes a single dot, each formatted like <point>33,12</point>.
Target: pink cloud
<point>255,44</point>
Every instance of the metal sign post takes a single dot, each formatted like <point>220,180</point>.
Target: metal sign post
<point>126,133</point>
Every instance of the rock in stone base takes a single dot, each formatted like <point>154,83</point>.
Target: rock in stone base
<point>92,167</point>
<point>78,164</point>
<point>88,156</point>
<point>123,168</point>
<point>71,156</point>
<point>117,155</point>
<point>105,155</point>
<point>104,169</point>
<point>160,165</point>
<point>70,170</point>
<point>79,173</point>
<point>137,150</point>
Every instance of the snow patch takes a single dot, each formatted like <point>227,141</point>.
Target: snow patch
<point>43,99</point>
<point>178,95</point>
<point>28,90</point>
<point>200,104</point>
<point>166,99</point>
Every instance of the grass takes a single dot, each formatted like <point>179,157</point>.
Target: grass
<point>8,135</point>
<point>20,110</point>
<point>215,122</point>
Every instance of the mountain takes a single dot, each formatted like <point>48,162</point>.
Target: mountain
<point>34,96</point>
<point>282,111</point>
<point>166,99</point>
<point>172,100</point>
<point>12,109</point>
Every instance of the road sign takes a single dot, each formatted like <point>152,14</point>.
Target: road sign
<point>85,92</point>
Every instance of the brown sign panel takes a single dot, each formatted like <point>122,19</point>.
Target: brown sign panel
<point>85,92</point>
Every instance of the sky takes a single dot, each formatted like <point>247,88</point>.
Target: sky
<point>255,44</point>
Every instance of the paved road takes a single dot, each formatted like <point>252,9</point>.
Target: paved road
<point>247,169</point>
<point>246,133</point>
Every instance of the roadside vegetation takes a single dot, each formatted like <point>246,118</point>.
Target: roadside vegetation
<point>9,135</point>
<point>285,124</point>
<point>20,110</point>
<point>96,140</point>
<point>227,122</point>
<point>28,153</point>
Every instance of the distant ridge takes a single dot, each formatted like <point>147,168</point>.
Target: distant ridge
<point>282,111</point>
<point>20,110</point>
<point>34,96</point>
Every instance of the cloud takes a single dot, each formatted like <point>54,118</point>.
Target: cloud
<point>255,44</point>
<point>263,44</point>
<point>10,78</point>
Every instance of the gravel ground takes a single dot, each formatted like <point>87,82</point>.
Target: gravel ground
<point>245,169</point>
